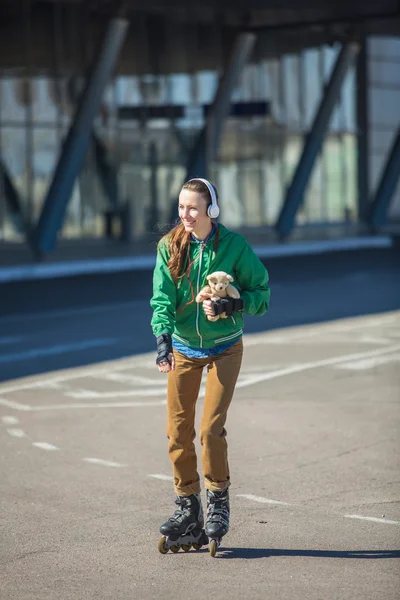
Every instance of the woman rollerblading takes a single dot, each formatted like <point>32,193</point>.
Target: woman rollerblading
<point>217,523</point>
<point>185,528</point>
<point>189,341</point>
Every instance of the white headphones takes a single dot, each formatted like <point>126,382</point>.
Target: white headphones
<point>213,209</point>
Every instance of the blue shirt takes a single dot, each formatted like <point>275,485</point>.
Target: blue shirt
<point>202,352</point>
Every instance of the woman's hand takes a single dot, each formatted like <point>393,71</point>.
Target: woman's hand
<point>165,367</point>
<point>208,309</point>
<point>165,357</point>
<point>207,306</point>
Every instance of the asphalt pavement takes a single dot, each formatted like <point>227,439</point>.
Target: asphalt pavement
<point>313,435</point>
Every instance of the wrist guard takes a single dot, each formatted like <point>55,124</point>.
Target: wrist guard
<point>227,305</point>
<point>164,348</point>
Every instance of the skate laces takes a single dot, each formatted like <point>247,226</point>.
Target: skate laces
<point>218,508</point>
<point>183,510</point>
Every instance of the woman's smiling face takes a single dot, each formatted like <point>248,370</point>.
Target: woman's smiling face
<point>193,213</point>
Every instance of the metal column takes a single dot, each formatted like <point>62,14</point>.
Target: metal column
<point>12,200</point>
<point>106,172</point>
<point>219,110</point>
<point>313,140</point>
<point>380,204</point>
<point>362,103</point>
<point>207,144</point>
<point>78,138</point>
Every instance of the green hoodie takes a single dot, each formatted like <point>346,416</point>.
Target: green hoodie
<point>175,310</point>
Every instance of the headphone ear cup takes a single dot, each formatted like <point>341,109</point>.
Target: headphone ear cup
<point>213,211</point>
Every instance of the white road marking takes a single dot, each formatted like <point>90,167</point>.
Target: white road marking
<point>99,405</point>
<point>313,365</point>
<point>10,420</point>
<point>261,499</point>
<point>71,376</point>
<point>368,363</point>
<point>19,433</point>
<point>372,339</point>
<point>160,390</point>
<point>55,350</point>
<point>374,519</point>
<point>315,330</point>
<point>250,340</point>
<point>120,377</point>
<point>14,405</point>
<point>269,501</point>
<point>44,446</point>
<point>105,463</point>
<point>162,477</point>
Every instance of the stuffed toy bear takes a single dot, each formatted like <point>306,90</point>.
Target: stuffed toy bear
<point>219,285</point>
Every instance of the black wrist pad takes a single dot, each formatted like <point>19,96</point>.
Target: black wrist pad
<point>164,348</point>
<point>227,305</point>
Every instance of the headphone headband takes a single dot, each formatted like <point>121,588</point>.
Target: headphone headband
<point>213,210</point>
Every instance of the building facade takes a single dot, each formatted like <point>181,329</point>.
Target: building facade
<point>148,124</point>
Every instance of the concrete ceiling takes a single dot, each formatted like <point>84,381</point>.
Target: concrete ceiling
<point>179,35</point>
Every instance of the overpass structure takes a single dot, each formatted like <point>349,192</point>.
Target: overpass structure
<point>290,107</point>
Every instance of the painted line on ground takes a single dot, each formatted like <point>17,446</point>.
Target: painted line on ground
<point>161,476</point>
<point>368,363</point>
<point>120,377</point>
<point>373,519</point>
<point>75,374</point>
<point>314,365</point>
<point>15,405</point>
<point>44,446</point>
<point>159,390</point>
<point>18,433</point>
<point>56,350</point>
<point>315,330</point>
<point>9,420</point>
<point>250,339</point>
<point>246,381</point>
<point>262,500</point>
<point>105,463</point>
<point>98,405</point>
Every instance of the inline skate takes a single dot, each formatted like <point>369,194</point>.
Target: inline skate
<point>217,523</point>
<point>185,528</point>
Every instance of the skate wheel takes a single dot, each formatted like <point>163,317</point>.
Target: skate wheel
<point>186,547</point>
<point>197,546</point>
<point>174,549</point>
<point>213,548</point>
<point>161,545</point>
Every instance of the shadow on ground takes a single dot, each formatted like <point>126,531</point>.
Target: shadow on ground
<point>249,553</point>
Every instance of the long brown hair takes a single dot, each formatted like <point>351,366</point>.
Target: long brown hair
<point>178,239</point>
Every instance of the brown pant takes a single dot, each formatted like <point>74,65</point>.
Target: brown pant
<point>183,389</point>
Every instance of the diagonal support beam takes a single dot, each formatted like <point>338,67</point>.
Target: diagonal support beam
<point>106,172</point>
<point>206,145</point>
<point>314,140</point>
<point>78,138</point>
<point>380,204</point>
<point>239,56</point>
<point>12,199</point>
